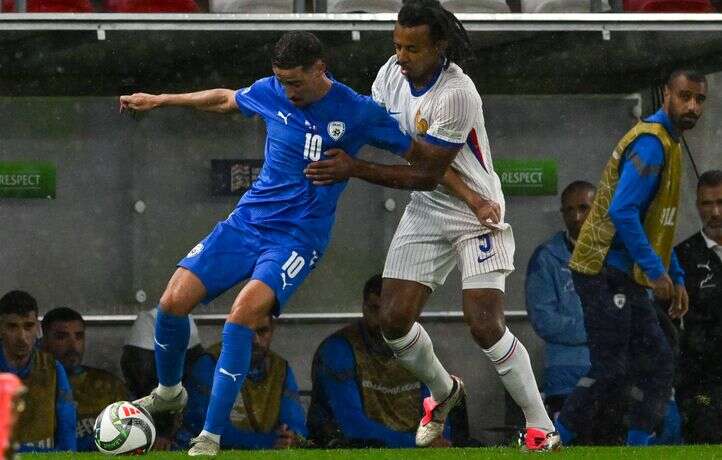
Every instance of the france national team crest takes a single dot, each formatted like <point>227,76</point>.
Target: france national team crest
<point>336,129</point>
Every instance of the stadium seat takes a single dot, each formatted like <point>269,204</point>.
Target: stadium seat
<point>476,6</point>
<point>150,6</point>
<point>559,6</point>
<point>251,6</point>
<point>669,6</point>
<point>51,6</point>
<point>363,6</point>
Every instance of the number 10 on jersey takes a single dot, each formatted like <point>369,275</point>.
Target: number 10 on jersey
<point>312,149</point>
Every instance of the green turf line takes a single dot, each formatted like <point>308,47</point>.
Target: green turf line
<point>615,453</point>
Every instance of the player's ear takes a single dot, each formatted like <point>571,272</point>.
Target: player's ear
<point>320,67</point>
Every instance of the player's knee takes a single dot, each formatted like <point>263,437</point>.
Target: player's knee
<point>487,333</point>
<point>175,301</point>
<point>249,315</point>
<point>394,319</point>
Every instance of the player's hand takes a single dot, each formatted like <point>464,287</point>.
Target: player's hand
<point>663,288</point>
<point>486,211</point>
<point>286,438</point>
<point>338,167</point>
<point>139,101</point>
<point>680,302</point>
<point>440,442</point>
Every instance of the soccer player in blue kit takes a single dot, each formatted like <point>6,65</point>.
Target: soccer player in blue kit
<point>280,227</point>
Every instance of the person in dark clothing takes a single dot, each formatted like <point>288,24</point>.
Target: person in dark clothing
<point>699,379</point>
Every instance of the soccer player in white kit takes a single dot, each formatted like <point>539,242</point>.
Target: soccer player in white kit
<point>460,222</point>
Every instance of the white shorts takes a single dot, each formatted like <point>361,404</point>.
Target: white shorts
<point>430,242</point>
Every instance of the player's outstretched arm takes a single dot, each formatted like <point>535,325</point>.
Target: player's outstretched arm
<point>425,171</point>
<point>213,100</point>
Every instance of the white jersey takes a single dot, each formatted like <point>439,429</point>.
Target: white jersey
<point>448,112</point>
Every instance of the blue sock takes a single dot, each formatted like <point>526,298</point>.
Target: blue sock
<point>565,434</point>
<point>231,370</point>
<point>638,438</point>
<point>172,334</point>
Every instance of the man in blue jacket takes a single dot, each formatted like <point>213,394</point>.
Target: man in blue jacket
<point>267,413</point>
<point>623,260</point>
<point>48,421</point>
<point>555,310</point>
<point>362,396</point>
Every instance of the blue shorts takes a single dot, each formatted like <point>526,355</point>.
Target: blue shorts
<point>232,253</point>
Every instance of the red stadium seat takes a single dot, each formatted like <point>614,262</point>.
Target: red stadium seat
<point>51,6</point>
<point>150,6</point>
<point>669,6</point>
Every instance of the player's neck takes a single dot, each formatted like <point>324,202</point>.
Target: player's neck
<point>427,79</point>
<point>324,86</point>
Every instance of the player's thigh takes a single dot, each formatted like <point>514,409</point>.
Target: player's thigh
<point>419,250</point>
<point>650,349</point>
<point>607,320</point>
<point>283,270</point>
<point>222,259</point>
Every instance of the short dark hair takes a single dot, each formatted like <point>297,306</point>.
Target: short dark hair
<point>576,186</point>
<point>18,303</point>
<point>296,49</point>
<point>372,286</point>
<point>443,25</point>
<point>711,178</point>
<point>691,74</point>
<point>60,315</point>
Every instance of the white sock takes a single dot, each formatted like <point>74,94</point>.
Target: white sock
<point>215,437</point>
<point>512,364</point>
<point>415,352</point>
<point>168,393</point>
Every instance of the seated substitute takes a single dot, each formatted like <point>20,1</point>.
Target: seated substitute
<point>48,421</point>
<point>699,377</point>
<point>93,389</point>
<point>362,396</point>
<point>555,310</point>
<point>267,413</point>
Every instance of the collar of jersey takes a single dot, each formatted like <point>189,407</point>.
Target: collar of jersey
<point>422,91</point>
<point>662,118</point>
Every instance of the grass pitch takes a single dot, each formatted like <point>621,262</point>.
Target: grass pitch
<point>572,453</point>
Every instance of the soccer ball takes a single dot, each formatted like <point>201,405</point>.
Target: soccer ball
<point>124,428</point>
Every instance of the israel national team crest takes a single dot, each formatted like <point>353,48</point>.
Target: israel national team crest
<point>196,250</point>
<point>620,300</point>
<point>336,129</point>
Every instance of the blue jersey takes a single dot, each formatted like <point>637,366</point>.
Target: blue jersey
<point>282,204</point>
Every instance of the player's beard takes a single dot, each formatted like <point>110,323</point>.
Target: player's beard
<point>713,230</point>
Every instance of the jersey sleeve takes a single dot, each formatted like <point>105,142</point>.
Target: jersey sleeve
<point>377,92</point>
<point>250,100</point>
<point>638,182</point>
<point>453,118</point>
<point>382,130</point>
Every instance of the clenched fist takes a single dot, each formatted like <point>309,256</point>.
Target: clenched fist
<point>139,101</point>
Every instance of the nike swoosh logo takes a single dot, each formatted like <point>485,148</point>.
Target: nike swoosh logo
<point>393,113</point>
<point>162,346</point>
<point>225,372</point>
<point>482,259</point>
